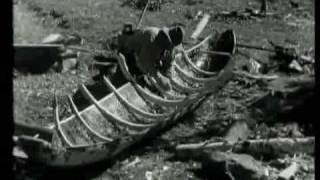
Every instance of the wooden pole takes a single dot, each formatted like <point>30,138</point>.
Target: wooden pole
<point>254,47</point>
<point>142,15</point>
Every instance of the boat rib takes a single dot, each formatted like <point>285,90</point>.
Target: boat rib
<point>57,122</point>
<point>194,67</point>
<point>110,116</point>
<point>184,88</point>
<point>131,107</point>
<point>124,69</point>
<point>164,92</point>
<point>186,76</point>
<point>158,100</point>
<point>199,44</point>
<point>77,114</point>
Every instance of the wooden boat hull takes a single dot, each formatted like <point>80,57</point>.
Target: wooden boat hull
<point>70,157</point>
<point>109,126</point>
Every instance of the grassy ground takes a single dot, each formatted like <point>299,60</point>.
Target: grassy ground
<point>95,20</point>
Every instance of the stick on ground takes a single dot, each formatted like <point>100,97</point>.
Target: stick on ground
<point>276,145</point>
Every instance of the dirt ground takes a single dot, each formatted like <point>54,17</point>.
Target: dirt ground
<point>95,20</point>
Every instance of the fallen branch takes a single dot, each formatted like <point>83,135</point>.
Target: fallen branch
<point>264,146</point>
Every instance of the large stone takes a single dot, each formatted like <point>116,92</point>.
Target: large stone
<point>239,130</point>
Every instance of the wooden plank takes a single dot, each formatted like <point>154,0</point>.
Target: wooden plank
<point>200,27</point>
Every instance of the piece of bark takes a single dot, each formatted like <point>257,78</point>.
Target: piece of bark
<point>289,172</point>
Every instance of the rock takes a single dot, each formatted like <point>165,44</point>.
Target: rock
<point>238,131</point>
<point>223,165</point>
